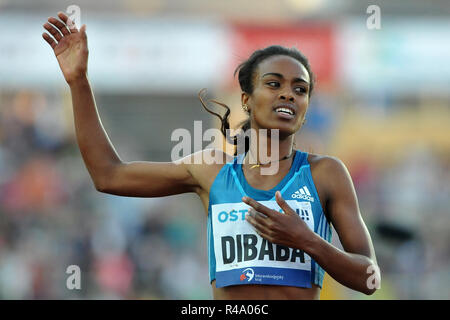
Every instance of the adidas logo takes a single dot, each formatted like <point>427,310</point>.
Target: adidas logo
<point>303,193</point>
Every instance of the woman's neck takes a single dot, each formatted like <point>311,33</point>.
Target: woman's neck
<point>268,151</point>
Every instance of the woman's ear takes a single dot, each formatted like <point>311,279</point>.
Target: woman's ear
<point>244,101</point>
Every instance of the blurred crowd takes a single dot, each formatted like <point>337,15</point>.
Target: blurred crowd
<point>51,216</point>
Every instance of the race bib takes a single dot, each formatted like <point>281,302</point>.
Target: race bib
<point>244,257</point>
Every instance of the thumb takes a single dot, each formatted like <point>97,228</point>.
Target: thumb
<point>83,30</point>
<point>283,204</point>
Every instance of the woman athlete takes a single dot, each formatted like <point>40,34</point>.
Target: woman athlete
<point>268,235</point>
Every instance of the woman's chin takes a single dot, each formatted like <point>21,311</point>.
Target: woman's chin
<point>286,127</point>
<point>283,131</point>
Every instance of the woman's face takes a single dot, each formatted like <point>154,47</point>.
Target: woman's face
<point>280,95</point>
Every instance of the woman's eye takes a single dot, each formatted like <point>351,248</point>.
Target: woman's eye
<point>274,84</point>
<point>300,90</point>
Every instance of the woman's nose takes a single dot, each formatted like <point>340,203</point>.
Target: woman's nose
<point>287,97</point>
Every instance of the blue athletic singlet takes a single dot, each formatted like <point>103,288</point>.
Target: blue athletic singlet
<point>237,254</point>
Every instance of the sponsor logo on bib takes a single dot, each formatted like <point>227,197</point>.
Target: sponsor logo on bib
<point>247,274</point>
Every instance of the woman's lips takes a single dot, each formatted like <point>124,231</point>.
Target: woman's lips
<point>284,115</point>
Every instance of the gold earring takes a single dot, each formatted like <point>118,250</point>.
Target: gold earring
<point>245,107</point>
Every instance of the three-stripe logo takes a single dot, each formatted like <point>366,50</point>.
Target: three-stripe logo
<point>303,193</point>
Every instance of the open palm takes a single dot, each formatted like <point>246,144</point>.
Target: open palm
<point>69,45</point>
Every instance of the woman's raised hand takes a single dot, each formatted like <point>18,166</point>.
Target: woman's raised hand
<point>70,47</point>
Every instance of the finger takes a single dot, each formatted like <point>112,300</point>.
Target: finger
<point>283,204</point>
<point>61,26</point>
<point>70,24</point>
<point>263,234</point>
<point>83,31</point>
<point>259,217</point>
<point>258,206</point>
<point>49,40</point>
<point>53,31</point>
<point>260,228</point>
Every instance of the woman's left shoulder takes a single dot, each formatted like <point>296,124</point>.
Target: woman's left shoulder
<point>330,175</point>
<point>325,162</point>
<point>325,166</point>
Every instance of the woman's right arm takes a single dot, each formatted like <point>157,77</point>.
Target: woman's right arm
<point>108,172</point>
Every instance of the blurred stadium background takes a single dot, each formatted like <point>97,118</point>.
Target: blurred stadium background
<point>381,105</point>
